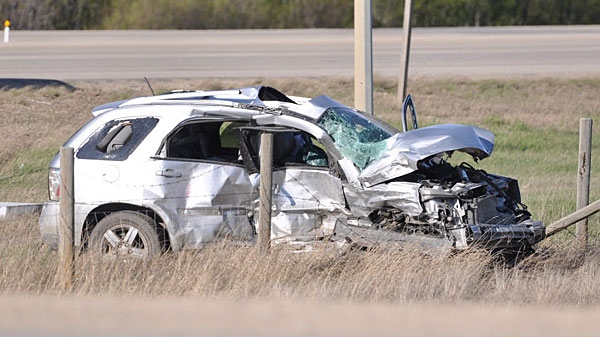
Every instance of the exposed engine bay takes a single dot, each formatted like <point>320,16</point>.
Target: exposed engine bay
<point>465,206</point>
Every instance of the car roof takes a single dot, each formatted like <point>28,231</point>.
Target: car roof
<point>260,99</point>
<point>257,95</point>
<point>244,103</point>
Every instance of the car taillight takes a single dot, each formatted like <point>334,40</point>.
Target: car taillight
<point>54,184</point>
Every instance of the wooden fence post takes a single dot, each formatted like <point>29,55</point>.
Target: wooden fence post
<point>66,267</point>
<point>266,178</point>
<point>583,177</point>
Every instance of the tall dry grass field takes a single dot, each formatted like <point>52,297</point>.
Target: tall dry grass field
<point>535,122</point>
<point>557,275</point>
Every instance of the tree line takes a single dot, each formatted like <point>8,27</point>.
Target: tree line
<point>235,14</point>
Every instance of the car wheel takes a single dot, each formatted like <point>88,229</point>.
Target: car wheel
<point>125,235</point>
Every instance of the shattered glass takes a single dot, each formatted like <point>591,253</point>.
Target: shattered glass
<point>356,137</point>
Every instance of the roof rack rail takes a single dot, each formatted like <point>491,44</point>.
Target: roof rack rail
<point>262,108</point>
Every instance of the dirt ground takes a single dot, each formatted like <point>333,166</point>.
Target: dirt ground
<point>101,316</point>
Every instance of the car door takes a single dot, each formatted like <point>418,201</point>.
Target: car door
<point>202,184</point>
<point>307,199</point>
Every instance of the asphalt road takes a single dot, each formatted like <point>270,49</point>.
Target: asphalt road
<point>465,52</point>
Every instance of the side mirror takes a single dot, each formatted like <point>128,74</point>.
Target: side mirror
<point>408,104</point>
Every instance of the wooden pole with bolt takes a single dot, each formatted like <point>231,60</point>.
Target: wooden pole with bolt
<point>583,177</point>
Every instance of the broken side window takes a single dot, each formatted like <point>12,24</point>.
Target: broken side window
<point>117,139</point>
<point>292,148</point>
<point>309,151</point>
<point>229,145</point>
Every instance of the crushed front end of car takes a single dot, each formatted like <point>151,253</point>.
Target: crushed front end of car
<point>409,192</point>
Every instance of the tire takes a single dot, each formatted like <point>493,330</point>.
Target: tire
<point>125,235</point>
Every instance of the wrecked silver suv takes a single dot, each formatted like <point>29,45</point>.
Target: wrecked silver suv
<point>179,170</point>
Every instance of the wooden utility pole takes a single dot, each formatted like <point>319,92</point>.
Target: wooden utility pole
<point>266,191</point>
<point>406,30</point>
<point>66,267</point>
<point>363,56</point>
<point>583,177</point>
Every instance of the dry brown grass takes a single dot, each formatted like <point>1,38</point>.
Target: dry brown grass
<point>557,275</point>
<point>35,122</point>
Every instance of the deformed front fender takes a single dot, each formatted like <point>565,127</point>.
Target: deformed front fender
<point>406,149</point>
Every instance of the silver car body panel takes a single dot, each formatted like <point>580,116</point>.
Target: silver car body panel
<point>401,195</point>
<point>315,107</point>
<point>303,202</point>
<point>204,201</point>
<point>405,150</point>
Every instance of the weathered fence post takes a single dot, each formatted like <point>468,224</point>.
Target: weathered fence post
<point>583,177</point>
<point>266,178</point>
<point>66,267</point>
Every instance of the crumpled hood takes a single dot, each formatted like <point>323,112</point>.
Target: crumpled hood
<point>406,149</point>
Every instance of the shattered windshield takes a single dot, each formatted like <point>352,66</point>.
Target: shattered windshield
<point>357,137</point>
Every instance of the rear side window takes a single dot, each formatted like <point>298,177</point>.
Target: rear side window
<point>117,139</point>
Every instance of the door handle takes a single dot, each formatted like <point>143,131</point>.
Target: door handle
<point>169,173</point>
